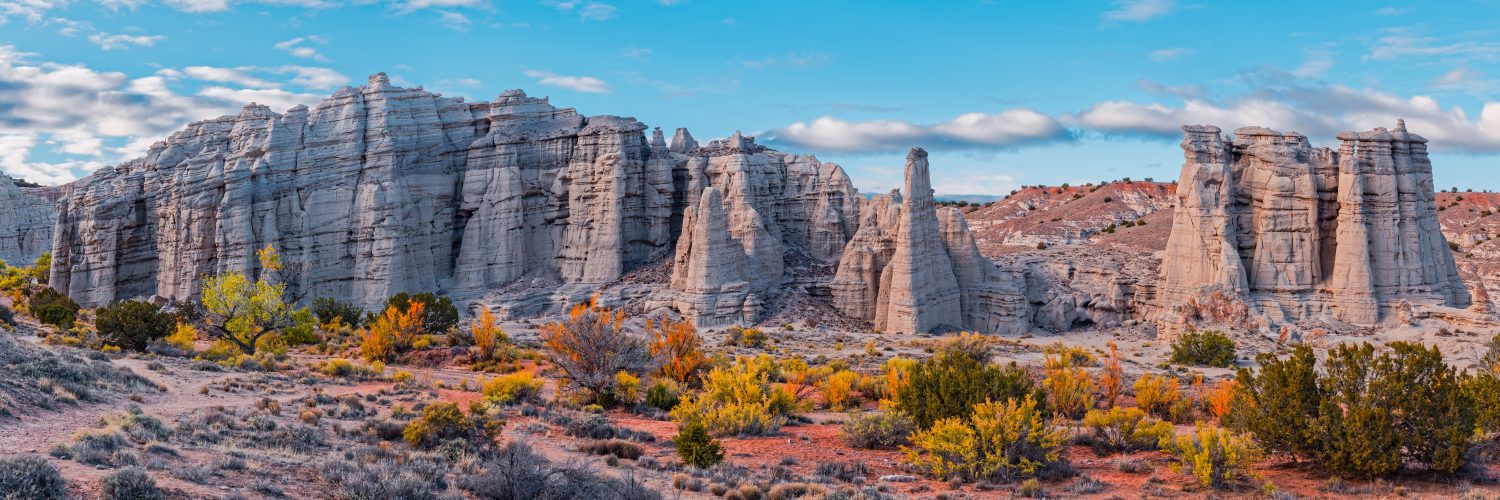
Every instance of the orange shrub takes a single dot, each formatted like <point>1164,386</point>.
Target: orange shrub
<point>838,389</point>
<point>1220,398</point>
<point>393,333</point>
<point>1112,381</point>
<point>590,346</point>
<point>487,335</point>
<point>677,346</point>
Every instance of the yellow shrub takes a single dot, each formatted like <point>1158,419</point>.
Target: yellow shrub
<point>1125,429</point>
<point>739,400</point>
<point>183,337</point>
<point>1156,394</point>
<point>627,388</point>
<point>1216,457</point>
<point>401,377</point>
<point>1000,441</point>
<point>1072,355</point>
<point>393,333</point>
<point>838,389</point>
<point>487,335</point>
<point>1070,389</point>
<point>513,388</point>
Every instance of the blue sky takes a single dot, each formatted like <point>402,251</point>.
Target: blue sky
<point>1001,93</point>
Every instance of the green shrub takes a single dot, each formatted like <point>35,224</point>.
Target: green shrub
<point>439,314</point>
<point>1483,389</point>
<point>444,422</point>
<point>130,484</point>
<point>53,308</point>
<point>1207,348</point>
<point>132,324</point>
<point>1125,429</point>
<point>998,442</point>
<point>1366,415</point>
<point>664,394</point>
<point>696,447</point>
<point>31,477</point>
<point>1215,457</point>
<point>952,381</point>
<point>887,428</point>
<point>326,309</point>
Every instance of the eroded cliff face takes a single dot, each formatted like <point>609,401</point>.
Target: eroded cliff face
<point>381,189</point>
<point>1270,228</point>
<point>26,220</point>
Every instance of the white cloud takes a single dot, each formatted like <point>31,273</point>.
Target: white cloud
<point>297,47</point>
<point>199,5</point>
<point>107,41</point>
<point>587,11</point>
<point>76,113</point>
<point>587,84</point>
<point>1139,10</point>
<point>454,21</point>
<point>636,52</point>
<point>1465,79</point>
<point>797,59</point>
<point>1171,54</point>
<point>1008,128</point>
<point>237,76</point>
<point>411,5</point>
<point>1401,43</point>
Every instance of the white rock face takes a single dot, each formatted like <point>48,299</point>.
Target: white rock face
<point>26,220</point>
<point>1270,227</point>
<point>912,269</point>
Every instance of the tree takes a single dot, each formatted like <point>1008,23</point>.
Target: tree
<point>132,324</point>
<point>590,346</point>
<point>678,347</point>
<point>1278,404</point>
<point>53,308</point>
<point>241,311</point>
<point>327,309</point>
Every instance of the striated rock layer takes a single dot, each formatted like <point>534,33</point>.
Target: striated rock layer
<point>913,268</point>
<point>1268,226</point>
<point>26,220</point>
<point>381,189</point>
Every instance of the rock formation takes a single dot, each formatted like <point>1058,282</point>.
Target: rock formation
<point>1302,233</point>
<point>922,269</point>
<point>26,219</point>
<point>379,189</point>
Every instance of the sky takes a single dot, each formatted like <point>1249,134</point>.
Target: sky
<point>1002,94</point>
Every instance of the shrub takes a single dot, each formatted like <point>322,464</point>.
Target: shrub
<point>897,373</point>
<point>183,337</point>
<point>677,345</point>
<point>1070,389</point>
<point>1491,359</point>
<point>518,387</point>
<point>516,472</point>
<point>663,394</point>
<point>1112,380</point>
<point>329,309</point>
<point>1072,355</point>
<point>131,483</point>
<point>132,324</point>
<point>617,447</point>
<point>696,447</point>
<point>487,335</point>
<point>7,317</point>
<point>746,337</point>
<point>1219,399</point>
<point>1209,348</point>
<point>838,389</point>
<point>1483,389</point>
<point>1216,457</point>
<point>53,308</point>
<point>1125,429</point>
<point>627,389</point>
<point>31,477</point>
<point>392,333</point>
<point>738,400</point>
<point>887,428</point>
<point>1365,415</point>
<point>999,441</point>
<point>953,380</point>
<point>1156,394</point>
<point>442,422</point>
<point>438,313</point>
<point>590,346</point>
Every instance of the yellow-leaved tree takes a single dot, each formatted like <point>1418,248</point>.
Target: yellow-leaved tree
<point>241,311</point>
